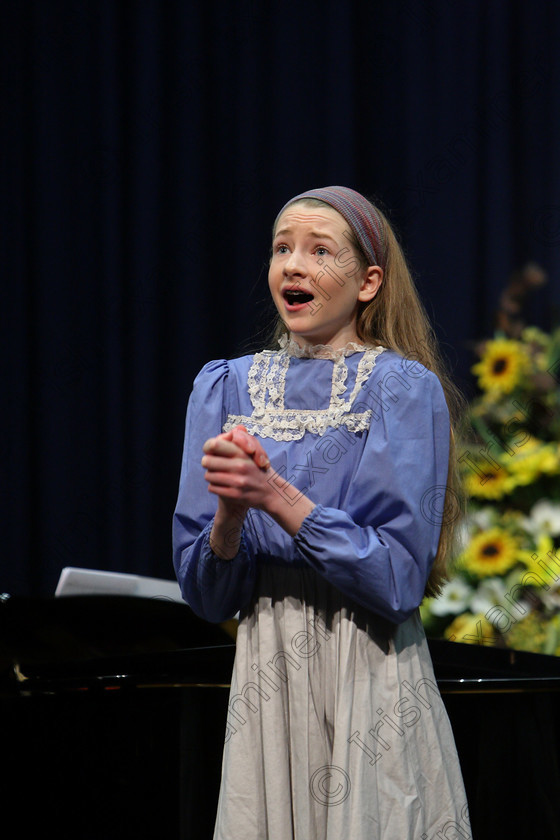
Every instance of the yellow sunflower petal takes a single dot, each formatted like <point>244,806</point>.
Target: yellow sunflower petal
<point>502,366</point>
<point>470,629</point>
<point>492,552</point>
<point>484,483</point>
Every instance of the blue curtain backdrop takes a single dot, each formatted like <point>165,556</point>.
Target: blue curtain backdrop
<point>146,148</point>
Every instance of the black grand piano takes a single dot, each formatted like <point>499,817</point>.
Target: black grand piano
<point>114,710</point>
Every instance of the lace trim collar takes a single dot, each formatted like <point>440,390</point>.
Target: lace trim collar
<point>266,384</point>
<point>323,351</point>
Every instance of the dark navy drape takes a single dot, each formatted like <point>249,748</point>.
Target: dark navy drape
<point>146,147</point>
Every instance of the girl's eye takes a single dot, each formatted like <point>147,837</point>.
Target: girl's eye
<point>281,249</point>
<point>321,251</point>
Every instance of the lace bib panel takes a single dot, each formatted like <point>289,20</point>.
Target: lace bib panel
<point>267,385</point>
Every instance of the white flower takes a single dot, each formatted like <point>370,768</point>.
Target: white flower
<point>551,598</point>
<point>489,592</point>
<point>453,599</point>
<point>482,519</point>
<point>474,521</point>
<point>543,519</point>
<point>463,536</point>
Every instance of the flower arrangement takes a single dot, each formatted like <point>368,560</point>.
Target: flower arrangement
<point>506,586</point>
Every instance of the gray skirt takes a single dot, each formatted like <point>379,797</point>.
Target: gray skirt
<point>335,727</point>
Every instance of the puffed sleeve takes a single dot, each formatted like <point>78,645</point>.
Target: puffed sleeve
<point>215,589</point>
<point>380,549</point>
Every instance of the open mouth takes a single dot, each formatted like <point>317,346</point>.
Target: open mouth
<point>297,297</point>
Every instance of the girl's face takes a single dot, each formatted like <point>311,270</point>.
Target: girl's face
<point>316,278</point>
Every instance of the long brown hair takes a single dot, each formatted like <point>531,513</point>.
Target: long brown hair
<point>396,319</point>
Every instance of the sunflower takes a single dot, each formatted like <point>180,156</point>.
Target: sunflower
<point>484,483</point>
<point>471,630</point>
<point>542,569</point>
<point>502,365</point>
<point>528,466</point>
<point>492,552</point>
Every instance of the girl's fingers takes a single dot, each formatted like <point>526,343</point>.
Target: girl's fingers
<point>238,442</point>
<point>225,484</point>
<point>251,446</point>
<point>229,435</point>
<point>216,463</point>
<point>225,492</point>
<point>223,481</point>
<point>221,446</point>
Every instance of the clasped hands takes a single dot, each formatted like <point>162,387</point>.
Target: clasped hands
<point>238,471</point>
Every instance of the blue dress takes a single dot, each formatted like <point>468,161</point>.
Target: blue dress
<point>335,724</point>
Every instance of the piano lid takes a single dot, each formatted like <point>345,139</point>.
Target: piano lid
<point>65,641</point>
<point>43,631</point>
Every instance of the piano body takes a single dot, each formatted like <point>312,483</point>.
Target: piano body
<point>114,710</point>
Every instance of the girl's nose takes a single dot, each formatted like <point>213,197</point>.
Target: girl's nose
<point>295,264</point>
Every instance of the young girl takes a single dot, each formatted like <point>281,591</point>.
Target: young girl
<point>328,460</point>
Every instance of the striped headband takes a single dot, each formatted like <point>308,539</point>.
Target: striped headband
<point>361,215</point>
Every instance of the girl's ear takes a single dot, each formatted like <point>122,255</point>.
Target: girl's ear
<point>370,284</point>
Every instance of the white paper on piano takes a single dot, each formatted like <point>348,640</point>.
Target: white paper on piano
<point>75,581</point>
